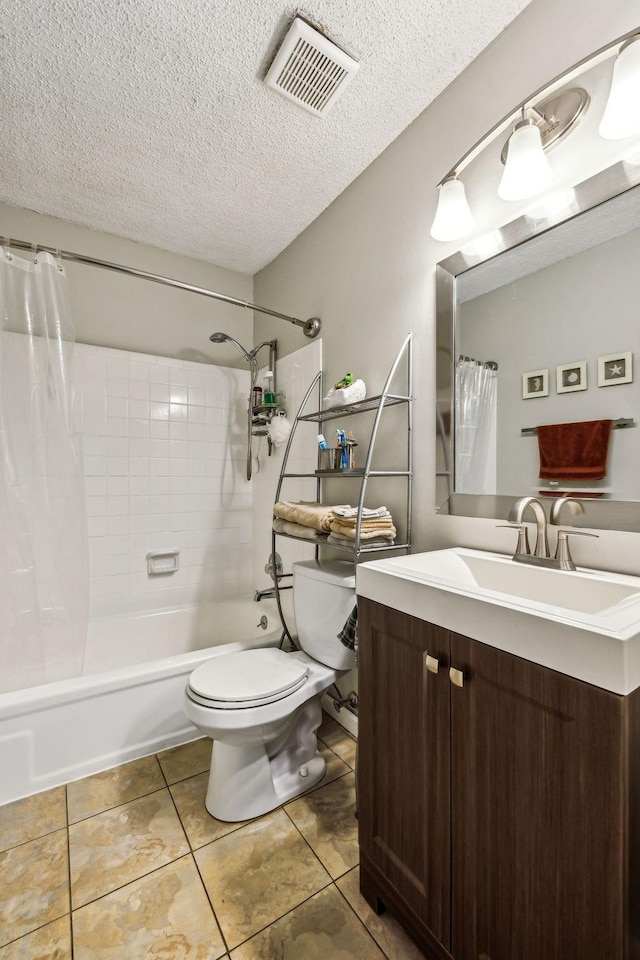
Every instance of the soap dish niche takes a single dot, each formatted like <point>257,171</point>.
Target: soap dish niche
<point>162,562</point>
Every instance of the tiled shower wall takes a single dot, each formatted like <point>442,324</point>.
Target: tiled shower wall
<point>164,456</point>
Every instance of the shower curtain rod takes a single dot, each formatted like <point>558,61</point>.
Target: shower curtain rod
<point>311,327</point>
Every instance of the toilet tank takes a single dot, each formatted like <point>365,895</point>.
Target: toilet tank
<point>323,598</point>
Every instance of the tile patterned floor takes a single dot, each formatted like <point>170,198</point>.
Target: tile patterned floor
<point>128,864</point>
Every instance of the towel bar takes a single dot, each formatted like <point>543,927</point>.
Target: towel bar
<point>616,425</point>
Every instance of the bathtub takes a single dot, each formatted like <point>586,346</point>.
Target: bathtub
<point>128,702</point>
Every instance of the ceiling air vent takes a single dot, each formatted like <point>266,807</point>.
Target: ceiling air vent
<point>310,70</point>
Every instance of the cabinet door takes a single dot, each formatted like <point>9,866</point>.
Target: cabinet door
<point>403,765</point>
<point>537,811</point>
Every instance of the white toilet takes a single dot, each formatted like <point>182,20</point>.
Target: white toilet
<point>261,707</point>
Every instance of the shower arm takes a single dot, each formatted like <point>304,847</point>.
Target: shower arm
<point>311,328</point>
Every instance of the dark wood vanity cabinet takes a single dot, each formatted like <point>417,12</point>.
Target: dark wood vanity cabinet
<point>500,819</point>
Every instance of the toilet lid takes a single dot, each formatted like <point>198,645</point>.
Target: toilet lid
<point>246,679</point>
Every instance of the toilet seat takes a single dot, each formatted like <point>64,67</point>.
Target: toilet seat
<point>249,678</point>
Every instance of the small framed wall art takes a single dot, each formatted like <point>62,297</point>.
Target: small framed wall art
<point>616,368</point>
<point>571,377</point>
<point>535,384</point>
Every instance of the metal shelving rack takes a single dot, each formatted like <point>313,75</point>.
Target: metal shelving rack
<point>378,403</point>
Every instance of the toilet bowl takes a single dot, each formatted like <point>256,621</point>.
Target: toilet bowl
<point>262,707</point>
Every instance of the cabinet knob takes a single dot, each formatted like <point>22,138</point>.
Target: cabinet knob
<point>432,664</point>
<point>456,677</point>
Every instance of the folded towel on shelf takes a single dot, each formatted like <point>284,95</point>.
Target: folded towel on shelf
<point>350,513</point>
<point>366,524</point>
<point>348,534</point>
<point>574,451</point>
<point>305,512</point>
<point>338,540</point>
<point>297,530</point>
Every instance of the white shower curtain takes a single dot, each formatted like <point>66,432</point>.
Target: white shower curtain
<point>43,542</point>
<point>475,434</point>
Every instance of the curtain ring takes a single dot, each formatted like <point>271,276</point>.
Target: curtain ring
<point>34,250</point>
<point>6,246</point>
<point>58,256</point>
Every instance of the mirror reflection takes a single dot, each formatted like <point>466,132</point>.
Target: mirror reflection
<point>544,334</point>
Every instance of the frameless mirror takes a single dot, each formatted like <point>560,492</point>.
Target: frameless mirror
<point>556,312</point>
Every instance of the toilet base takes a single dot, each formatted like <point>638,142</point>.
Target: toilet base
<point>246,782</point>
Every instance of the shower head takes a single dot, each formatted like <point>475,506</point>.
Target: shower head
<point>223,337</point>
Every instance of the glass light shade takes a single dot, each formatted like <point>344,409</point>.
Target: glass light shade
<point>527,170</point>
<point>621,117</point>
<point>545,208</point>
<point>453,218</point>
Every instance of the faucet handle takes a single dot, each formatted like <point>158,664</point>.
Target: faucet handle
<point>523,537</point>
<point>563,554</point>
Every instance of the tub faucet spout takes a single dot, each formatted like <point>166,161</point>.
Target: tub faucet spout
<point>516,514</point>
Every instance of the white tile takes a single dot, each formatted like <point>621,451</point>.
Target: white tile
<point>117,426</point>
<point>97,567</point>
<point>117,526</point>
<point>178,411</point>
<point>95,486</point>
<point>178,430</point>
<point>118,366</point>
<point>96,528</point>
<point>197,414</point>
<point>160,486</point>
<point>159,392</point>
<point>178,375</point>
<point>159,466</point>
<point>96,506</point>
<point>197,396</point>
<point>179,449</point>
<point>117,446</point>
<point>139,370</point>
<point>138,466</point>
<point>159,448</point>
<point>138,523</point>
<point>117,545</point>
<point>138,486</point>
<point>158,504</point>
<point>117,585</point>
<point>139,447</point>
<point>138,504</point>
<point>159,411</point>
<point>117,387</point>
<point>139,409</point>
<point>117,466</point>
<point>198,377</point>
<point>178,393</point>
<point>159,429</point>
<point>95,466</point>
<point>117,565</point>
<point>118,486</point>
<point>139,389</point>
<point>139,428</point>
<point>159,373</point>
<point>117,506</point>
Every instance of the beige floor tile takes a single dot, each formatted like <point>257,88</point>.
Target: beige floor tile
<point>51,942</point>
<point>163,915</point>
<point>187,760</point>
<point>113,787</point>
<point>123,844</point>
<point>199,825</point>
<point>32,817</point>
<point>335,766</point>
<point>326,820</point>
<point>384,929</point>
<point>34,885</point>
<point>341,742</point>
<point>257,873</point>
<point>323,927</point>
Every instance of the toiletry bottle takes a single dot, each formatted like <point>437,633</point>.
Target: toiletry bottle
<point>268,397</point>
<point>257,397</point>
<point>322,443</point>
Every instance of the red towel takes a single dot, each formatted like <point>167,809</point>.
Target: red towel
<point>574,451</point>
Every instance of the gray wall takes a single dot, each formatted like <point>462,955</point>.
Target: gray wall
<point>579,309</point>
<point>367,265</point>
<point>113,310</point>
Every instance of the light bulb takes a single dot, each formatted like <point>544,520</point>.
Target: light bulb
<point>527,170</point>
<point>621,117</point>
<point>453,218</point>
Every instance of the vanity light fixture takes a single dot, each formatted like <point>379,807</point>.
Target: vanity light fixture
<point>540,121</point>
<point>526,171</point>
<point>453,217</point>
<point>621,117</point>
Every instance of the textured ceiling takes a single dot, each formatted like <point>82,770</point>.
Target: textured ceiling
<point>148,118</point>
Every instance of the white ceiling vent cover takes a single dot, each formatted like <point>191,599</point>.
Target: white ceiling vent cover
<point>310,70</point>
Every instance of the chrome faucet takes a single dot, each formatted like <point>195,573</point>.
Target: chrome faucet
<point>541,556</point>
<point>515,516</point>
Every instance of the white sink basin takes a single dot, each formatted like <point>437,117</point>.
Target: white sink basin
<point>591,626</point>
